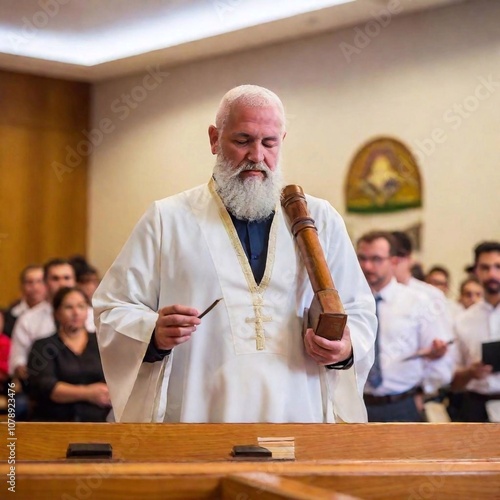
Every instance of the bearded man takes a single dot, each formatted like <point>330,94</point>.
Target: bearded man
<point>478,326</point>
<point>247,360</point>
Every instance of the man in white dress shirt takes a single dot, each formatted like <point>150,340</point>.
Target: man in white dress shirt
<point>438,308</point>
<point>246,360</point>
<point>477,324</point>
<point>410,348</point>
<point>33,291</point>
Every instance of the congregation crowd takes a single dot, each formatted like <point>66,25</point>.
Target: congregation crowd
<point>429,344</point>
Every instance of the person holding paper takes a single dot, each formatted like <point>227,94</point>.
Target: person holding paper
<point>478,325</point>
<point>411,350</point>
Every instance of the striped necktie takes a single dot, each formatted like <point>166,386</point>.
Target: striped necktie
<point>375,374</point>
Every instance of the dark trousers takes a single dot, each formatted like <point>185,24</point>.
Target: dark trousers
<point>474,407</point>
<point>400,411</point>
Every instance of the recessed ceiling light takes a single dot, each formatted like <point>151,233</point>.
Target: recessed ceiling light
<point>71,31</point>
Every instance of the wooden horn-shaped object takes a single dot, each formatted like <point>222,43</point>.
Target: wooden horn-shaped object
<point>326,315</point>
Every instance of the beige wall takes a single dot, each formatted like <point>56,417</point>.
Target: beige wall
<point>404,83</point>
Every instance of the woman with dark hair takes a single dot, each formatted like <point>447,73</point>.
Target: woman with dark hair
<point>66,380</point>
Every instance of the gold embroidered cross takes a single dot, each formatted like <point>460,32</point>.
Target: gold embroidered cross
<point>259,323</point>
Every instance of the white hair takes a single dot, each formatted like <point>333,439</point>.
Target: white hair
<point>248,95</point>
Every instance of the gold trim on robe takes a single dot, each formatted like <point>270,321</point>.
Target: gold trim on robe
<point>257,290</point>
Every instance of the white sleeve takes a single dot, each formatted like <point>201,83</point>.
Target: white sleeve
<point>355,294</point>
<point>20,345</point>
<point>125,309</point>
<point>437,372</point>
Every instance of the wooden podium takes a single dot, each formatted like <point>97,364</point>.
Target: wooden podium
<point>193,461</point>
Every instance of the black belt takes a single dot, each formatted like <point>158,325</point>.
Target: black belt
<point>483,397</point>
<point>390,398</point>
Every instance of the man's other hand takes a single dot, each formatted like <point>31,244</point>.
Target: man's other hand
<point>328,352</point>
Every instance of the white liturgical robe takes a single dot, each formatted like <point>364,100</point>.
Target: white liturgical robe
<point>246,362</point>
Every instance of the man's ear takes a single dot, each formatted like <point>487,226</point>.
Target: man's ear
<point>213,135</point>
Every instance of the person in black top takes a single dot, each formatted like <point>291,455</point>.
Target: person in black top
<point>66,380</point>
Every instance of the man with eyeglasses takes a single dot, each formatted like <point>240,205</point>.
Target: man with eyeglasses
<point>410,345</point>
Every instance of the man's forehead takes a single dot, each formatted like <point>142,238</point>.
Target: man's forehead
<point>267,116</point>
<point>375,245</point>
<point>438,276</point>
<point>61,269</point>
<point>33,274</point>
<point>489,257</point>
<point>472,286</point>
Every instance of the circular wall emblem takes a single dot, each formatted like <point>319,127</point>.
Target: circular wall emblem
<point>383,177</point>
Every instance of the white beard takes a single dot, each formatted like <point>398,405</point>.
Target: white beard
<point>249,199</point>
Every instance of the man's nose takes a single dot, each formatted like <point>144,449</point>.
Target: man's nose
<point>367,262</point>
<point>365,266</point>
<point>256,153</point>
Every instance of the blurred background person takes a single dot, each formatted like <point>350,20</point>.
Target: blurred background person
<point>471,291</point>
<point>87,277</point>
<point>437,310</point>
<point>33,291</point>
<point>410,351</point>
<point>439,277</point>
<point>65,373</point>
<point>478,324</point>
<point>38,322</point>
<point>4,371</point>
<point>417,271</point>
<point>4,353</point>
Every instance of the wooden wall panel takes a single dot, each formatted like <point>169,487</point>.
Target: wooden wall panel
<point>43,199</point>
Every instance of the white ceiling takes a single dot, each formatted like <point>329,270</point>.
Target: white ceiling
<point>93,40</point>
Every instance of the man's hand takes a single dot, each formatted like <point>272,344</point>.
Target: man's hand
<point>479,370</point>
<point>328,352</point>
<point>437,349</point>
<point>174,326</point>
<point>475,371</point>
